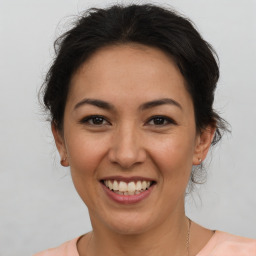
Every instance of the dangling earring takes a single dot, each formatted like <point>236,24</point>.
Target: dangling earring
<point>200,160</point>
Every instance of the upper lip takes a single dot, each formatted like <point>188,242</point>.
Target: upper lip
<point>127,179</point>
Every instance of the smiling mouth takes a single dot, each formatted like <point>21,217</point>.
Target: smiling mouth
<point>127,188</point>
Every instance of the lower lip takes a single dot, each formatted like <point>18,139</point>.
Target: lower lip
<point>127,199</point>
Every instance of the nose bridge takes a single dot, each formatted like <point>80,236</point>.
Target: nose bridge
<point>127,148</point>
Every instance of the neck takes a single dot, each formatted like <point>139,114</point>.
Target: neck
<point>170,237</point>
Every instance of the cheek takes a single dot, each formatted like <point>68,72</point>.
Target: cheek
<point>85,151</point>
<point>173,156</point>
<point>85,155</point>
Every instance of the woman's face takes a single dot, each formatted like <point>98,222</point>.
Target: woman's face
<point>129,126</point>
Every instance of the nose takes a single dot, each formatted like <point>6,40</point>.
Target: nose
<point>126,148</point>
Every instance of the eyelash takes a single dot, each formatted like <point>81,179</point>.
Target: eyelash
<point>165,119</point>
<point>91,118</point>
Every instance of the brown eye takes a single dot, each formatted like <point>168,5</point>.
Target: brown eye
<point>94,120</point>
<point>160,121</point>
<point>97,120</point>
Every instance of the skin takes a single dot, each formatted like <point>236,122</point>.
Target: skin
<point>127,142</point>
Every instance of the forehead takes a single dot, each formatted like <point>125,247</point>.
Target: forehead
<point>128,72</point>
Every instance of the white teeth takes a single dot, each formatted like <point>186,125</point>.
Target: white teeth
<point>132,188</point>
<point>138,185</point>
<point>144,185</point>
<point>115,185</point>
<point>122,186</point>
<point>110,185</point>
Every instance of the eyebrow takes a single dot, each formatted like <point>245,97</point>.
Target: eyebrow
<point>159,102</point>
<point>108,106</point>
<point>98,103</point>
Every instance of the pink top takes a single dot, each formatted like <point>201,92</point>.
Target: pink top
<point>221,244</point>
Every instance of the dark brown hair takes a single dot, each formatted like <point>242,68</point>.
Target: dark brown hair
<point>144,24</point>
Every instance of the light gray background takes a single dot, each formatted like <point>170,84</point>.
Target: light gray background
<point>39,207</point>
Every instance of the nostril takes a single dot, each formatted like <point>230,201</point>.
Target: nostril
<point>127,158</point>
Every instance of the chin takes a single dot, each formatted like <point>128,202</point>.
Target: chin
<point>128,223</point>
<point>131,223</point>
<point>129,228</point>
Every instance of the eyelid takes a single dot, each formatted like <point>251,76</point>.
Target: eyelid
<point>170,120</point>
<point>85,120</point>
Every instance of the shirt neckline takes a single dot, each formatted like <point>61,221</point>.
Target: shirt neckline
<point>210,244</point>
<point>206,247</point>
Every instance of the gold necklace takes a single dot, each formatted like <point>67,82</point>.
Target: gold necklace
<point>188,236</point>
<point>187,240</point>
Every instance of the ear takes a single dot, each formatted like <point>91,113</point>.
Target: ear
<point>203,143</point>
<point>60,144</point>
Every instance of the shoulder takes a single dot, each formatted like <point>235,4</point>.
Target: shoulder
<point>66,249</point>
<point>225,244</point>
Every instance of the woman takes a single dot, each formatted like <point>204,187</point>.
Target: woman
<point>130,95</point>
